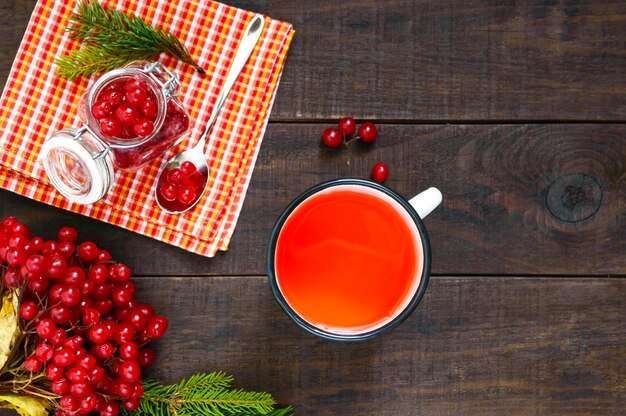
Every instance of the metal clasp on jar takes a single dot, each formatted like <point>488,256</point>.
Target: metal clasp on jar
<point>167,79</point>
<point>99,155</point>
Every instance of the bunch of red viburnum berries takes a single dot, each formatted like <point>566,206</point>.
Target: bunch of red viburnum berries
<point>72,335</point>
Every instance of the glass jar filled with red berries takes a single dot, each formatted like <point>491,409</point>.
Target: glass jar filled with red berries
<point>130,116</point>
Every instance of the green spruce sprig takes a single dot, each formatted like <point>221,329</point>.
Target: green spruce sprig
<point>205,395</point>
<point>112,39</point>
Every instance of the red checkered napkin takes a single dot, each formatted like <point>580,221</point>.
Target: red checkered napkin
<point>36,102</point>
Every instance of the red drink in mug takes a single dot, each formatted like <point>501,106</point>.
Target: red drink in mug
<point>350,259</point>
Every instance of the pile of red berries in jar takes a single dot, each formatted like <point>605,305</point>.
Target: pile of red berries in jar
<point>85,332</point>
<point>126,108</point>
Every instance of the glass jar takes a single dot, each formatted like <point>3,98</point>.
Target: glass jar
<point>130,116</point>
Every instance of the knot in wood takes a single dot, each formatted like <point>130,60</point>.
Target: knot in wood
<point>574,197</point>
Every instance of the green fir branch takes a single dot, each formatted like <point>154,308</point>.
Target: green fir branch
<point>92,59</point>
<point>113,37</point>
<point>205,395</point>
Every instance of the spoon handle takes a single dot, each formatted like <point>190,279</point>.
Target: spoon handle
<point>246,46</point>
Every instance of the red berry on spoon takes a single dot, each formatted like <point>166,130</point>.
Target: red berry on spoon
<point>368,132</point>
<point>187,168</point>
<point>380,171</point>
<point>198,181</point>
<point>186,194</point>
<point>347,126</point>
<point>175,176</point>
<point>168,191</point>
<point>332,137</point>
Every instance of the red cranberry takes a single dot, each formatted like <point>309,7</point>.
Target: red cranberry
<point>347,126</point>
<point>133,83</point>
<point>156,327</point>
<point>101,110</point>
<point>28,310</point>
<point>332,137</point>
<point>168,191</point>
<point>46,328</point>
<point>147,357</point>
<point>130,371</point>
<point>44,352</point>
<point>186,194</point>
<point>149,109</point>
<point>60,386</point>
<point>368,132</point>
<point>380,171</point>
<point>55,372</point>
<point>175,176</point>
<point>126,114</point>
<point>112,97</point>
<point>67,234</point>
<point>110,126</point>
<point>187,168</point>
<point>136,96</point>
<point>143,127</point>
<point>33,364</point>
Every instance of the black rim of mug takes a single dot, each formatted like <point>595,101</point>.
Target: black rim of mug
<point>271,273</point>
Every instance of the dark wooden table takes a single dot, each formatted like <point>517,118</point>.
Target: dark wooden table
<point>516,111</point>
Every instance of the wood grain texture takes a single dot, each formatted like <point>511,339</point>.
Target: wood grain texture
<point>506,209</point>
<point>452,60</point>
<point>14,16</point>
<point>518,199</point>
<point>436,60</point>
<point>474,346</point>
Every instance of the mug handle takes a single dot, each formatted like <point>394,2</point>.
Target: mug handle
<point>425,202</point>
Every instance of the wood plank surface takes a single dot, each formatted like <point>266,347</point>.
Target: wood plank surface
<point>517,112</point>
<point>518,199</point>
<point>474,346</point>
<point>435,60</point>
<point>452,60</point>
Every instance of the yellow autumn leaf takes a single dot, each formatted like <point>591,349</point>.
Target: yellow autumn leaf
<point>9,330</point>
<point>24,405</point>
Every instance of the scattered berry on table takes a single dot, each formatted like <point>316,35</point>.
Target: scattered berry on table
<point>332,137</point>
<point>380,171</point>
<point>347,126</point>
<point>368,132</point>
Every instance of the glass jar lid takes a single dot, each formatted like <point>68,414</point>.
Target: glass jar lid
<point>78,164</point>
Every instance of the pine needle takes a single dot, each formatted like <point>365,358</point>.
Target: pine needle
<point>205,395</point>
<point>91,60</point>
<point>112,39</point>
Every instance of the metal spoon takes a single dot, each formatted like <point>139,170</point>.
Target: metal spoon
<point>196,153</point>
